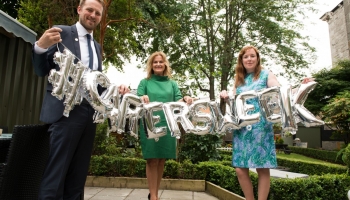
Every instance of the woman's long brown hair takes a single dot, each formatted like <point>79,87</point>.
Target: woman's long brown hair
<point>241,72</point>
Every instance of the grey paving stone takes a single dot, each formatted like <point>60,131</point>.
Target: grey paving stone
<point>99,193</point>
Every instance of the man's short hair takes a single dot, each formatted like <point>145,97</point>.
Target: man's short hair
<point>82,2</point>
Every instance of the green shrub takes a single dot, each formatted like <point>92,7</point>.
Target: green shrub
<point>103,144</point>
<point>329,156</point>
<point>310,168</point>
<point>333,186</point>
<point>294,189</point>
<point>224,176</point>
<point>198,148</point>
<point>225,157</point>
<point>171,169</point>
<point>188,170</point>
<point>316,187</point>
<point>346,156</point>
<point>117,166</point>
<point>280,141</point>
<point>302,167</point>
<point>108,145</point>
<point>228,153</point>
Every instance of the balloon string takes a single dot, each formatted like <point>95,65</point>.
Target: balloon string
<point>58,49</point>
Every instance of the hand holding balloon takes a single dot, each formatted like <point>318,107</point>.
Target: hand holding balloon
<point>224,94</point>
<point>145,99</point>
<point>307,79</point>
<point>50,37</point>
<point>123,89</point>
<point>187,99</point>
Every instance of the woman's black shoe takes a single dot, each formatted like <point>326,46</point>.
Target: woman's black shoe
<point>149,195</point>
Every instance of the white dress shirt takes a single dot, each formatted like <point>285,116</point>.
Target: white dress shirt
<point>84,51</point>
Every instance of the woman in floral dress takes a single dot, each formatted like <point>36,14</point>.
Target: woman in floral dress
<point>253,147</point>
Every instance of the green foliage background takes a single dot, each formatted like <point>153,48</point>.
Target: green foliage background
<point>330,99</point>
<point>201,38</point>
<point>199,148</point>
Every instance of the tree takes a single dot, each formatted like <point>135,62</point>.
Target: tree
<point>330,83</point>
<point>337,112</point>
<point>208,35</point>
<point>329,99</point>
<point>119,32</point>
<point>10,7</point>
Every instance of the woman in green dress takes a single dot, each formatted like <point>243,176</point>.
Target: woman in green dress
<point>158,87</point>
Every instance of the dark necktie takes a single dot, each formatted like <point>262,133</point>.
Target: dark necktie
<point>91,55</point>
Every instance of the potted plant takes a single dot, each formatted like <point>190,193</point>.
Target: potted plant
<point>277,128</point>
<point>288,138</point>
<point>279,143</point>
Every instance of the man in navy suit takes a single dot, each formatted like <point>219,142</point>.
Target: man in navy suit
<point>71,139</point>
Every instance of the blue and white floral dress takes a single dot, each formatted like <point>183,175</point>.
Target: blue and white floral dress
<point>254,148</point>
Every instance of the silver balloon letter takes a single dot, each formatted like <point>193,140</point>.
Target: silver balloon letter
<point>305,116</point>
<point>269,105</point>
<point>204,122</point>
<point>227,122</point>
<point>177,112</point>
<point>243,108</point>
<point>288,120</point>
<point>123,110</point>
<point>67,80</point>
<point>151,130</point>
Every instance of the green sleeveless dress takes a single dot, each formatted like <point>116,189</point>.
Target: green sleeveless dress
<point>158,89</point>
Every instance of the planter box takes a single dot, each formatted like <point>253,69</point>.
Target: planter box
<point>288,140</point>
<point>130,182</point>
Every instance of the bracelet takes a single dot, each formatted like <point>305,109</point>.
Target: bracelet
<point>184,99</point>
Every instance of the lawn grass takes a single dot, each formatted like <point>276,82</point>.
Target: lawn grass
<point>299,157</point>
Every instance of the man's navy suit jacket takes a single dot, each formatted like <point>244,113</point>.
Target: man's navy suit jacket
<point>52,108</point>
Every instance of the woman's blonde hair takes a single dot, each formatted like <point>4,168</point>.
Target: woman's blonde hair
<point>149,70</point>
<point>240,71</point>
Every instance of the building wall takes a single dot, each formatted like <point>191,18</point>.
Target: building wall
<point>21,91</point>
<point>311,135</point>
<point>332,145</point>
<point>347,23</point>
<point>339,31</point>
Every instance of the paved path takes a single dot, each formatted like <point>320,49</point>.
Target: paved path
<point>100,193</point>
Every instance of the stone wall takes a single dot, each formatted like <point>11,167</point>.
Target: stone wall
<point>339,31</point>
<point>332,145</point>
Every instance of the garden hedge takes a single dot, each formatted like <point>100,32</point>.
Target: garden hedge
<point>304,167</point>
<point>327,186</point>
<point>330,156</point>
<point>311,168</point>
